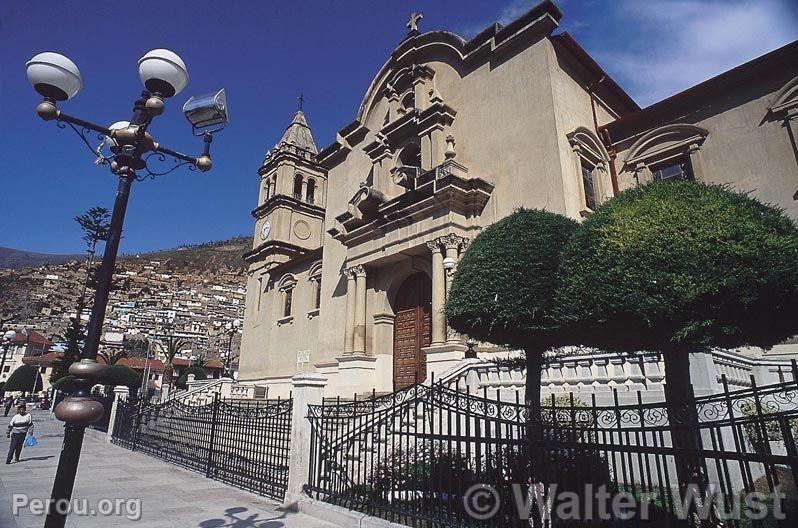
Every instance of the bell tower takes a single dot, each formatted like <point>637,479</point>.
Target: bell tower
<point>289,217</point>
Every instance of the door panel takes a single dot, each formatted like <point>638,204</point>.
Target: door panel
<point>412,331</point>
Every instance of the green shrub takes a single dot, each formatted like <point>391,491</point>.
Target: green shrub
<point>119,375</point>
<point>199,374</point>
<point>22,379</point>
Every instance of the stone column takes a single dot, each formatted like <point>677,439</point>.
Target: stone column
<point>304,190</point>
<point>438,293</point>
<point>360,311</point>
<point>307,389</point>
<point>349,345</point>
<point>453,245</point>
<point>119,392</point>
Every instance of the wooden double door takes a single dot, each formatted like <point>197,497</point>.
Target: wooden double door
<point>412,330</point>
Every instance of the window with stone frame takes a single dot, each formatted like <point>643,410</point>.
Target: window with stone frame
<point>298,186</point>
<point>286,289</point>
<point>315,279</point>
<point>588,185</point>
<point>288,301</point>
<point>674,169</point>
<point>591,161</point>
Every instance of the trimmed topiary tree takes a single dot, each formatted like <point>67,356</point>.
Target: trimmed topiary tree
<point>199,374</point>
<point>681,267</point>
<point>504,292</point>
<point>120,375</point>
<point>504,289</point>
<point>22,379</point>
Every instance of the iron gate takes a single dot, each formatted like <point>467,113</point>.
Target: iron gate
<point>243,443</point>
<point>419,455</point>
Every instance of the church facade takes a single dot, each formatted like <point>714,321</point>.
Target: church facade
<point>355,244</point>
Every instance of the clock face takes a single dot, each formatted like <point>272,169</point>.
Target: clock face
<point>265,229</point>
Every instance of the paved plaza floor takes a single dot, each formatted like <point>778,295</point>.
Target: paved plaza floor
<point>168,496</point>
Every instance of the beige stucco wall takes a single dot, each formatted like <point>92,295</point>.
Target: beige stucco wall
<point>744,147</point>
<point>270,342</point>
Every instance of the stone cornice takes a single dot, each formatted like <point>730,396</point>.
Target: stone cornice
<point>271,247</point>
<point>281,200</point>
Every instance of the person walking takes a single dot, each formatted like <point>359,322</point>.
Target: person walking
<point>8,402</point>
<point>18,428</point>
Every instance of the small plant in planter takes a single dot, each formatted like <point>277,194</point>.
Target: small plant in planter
<point>429,468</point>
<point>757,434</point>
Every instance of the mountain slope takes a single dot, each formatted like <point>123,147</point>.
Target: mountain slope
<point>14,258</point>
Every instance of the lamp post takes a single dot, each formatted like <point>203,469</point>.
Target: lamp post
<point>231,329</point>
<point>131,147</point>
<point>8,338</point>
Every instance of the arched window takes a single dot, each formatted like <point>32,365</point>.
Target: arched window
<point>311,191</point>
<point>409,101</point>
<point>315,279</point>
<point>298,186</point>
<point>287,285</point>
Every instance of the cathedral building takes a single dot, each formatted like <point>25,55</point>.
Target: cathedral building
<point>355,244</point>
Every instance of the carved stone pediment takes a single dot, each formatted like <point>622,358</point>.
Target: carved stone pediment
<point>405,176</point>
<point>362,208</point>
<point>447,188</point>
<point>417,122</point>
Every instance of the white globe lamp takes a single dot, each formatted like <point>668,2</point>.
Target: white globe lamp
<point>163,71</point>
<point>449,263</point>
<point>119,125</point>
<point>54,76</point>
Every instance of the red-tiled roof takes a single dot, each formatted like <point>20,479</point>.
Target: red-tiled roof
<point>45,360</point>
<point>33,337</point>
<point>212,364</point>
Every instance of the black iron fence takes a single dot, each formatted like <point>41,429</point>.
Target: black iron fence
<point>243,443</point>
<point>102,424</point>
<point>439,456</point>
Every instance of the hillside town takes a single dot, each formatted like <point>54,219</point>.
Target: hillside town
<point>195,299</point>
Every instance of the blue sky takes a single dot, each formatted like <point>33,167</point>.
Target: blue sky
<point>265,53</point>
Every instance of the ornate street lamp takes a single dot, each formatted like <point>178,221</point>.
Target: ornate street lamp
<point>130,147</point>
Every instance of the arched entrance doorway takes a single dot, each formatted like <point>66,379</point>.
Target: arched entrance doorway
<point>412,330</point>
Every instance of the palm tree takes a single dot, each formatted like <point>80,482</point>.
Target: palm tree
<point>170,346</point>
<point>112,355</point>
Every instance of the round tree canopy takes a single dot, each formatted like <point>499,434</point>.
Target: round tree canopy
<point>504,288</point>
<point>199,374</point>
<point>678,264</point>
<point>120,375</point>
<point>22,379</point>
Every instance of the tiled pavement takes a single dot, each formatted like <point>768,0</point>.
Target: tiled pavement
<point>171,497</point>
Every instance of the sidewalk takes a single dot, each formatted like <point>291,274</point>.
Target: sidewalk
<point>165,495</point>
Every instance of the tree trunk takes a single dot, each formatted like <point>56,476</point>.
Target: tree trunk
<point>685,435</point>
<point>533,445</point>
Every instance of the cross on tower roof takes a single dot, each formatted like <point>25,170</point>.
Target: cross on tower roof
<point>301,100</point>
<point>412,24</point>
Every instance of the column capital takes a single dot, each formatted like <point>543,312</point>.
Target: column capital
<point>435,246</point>
<point>452,241</point>
<point>352,272</point>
